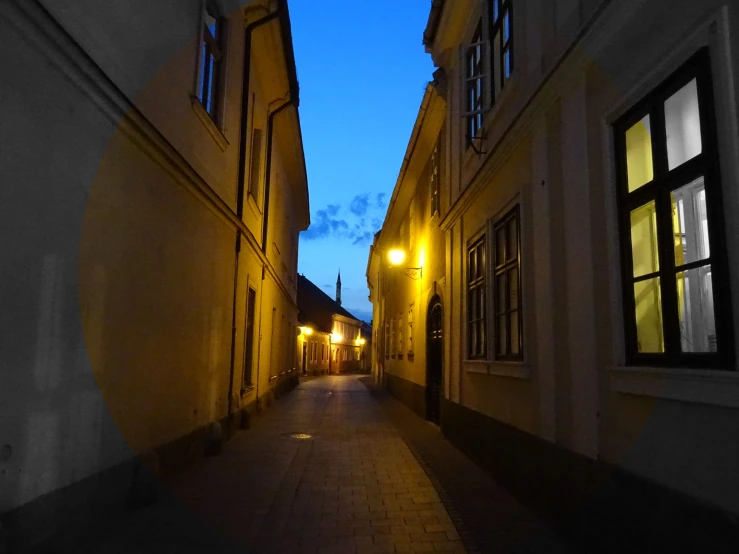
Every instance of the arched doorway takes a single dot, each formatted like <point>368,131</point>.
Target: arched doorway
<point>434,359</point>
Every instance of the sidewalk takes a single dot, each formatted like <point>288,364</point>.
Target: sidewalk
<point>372,477</point>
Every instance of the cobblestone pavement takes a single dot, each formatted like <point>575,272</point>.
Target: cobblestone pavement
<point>373,477</point>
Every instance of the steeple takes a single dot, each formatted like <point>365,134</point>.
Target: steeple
<point>338,289</point>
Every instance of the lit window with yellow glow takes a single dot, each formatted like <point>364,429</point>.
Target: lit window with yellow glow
<point>670,201</point>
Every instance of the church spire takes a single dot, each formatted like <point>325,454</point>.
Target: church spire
<point>338,289</point>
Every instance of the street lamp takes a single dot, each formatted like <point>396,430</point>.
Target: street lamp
<point>396,257</point>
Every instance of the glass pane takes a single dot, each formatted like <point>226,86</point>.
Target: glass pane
<point>514,332</point>
<point>513,287</point>
<point>471,265</point>
<point>507,63</point>
<point>695,310</point>
<point>683,125</point>
<point>211,85</point>
<point>500,246</point>
<point>481,260</point>
<point>203,56</point>
<point>648,298</point>
<point>512,252</point>
<point>644,240</point>
<point>210,20</point>
<point>690,223</point>
<point>639,154</point>
<point>481,337</point>
<point>500,305</point>
<point>502,321</point>
<point>506,27</point>
<point>495,10</point>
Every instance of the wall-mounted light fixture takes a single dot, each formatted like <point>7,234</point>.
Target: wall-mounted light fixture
<point>396,257</point>
<point>306,331</point>
<point>336,337</point>
<point>361,342</point>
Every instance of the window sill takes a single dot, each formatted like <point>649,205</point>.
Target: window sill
<point>516,370</point>
<point>208,122</point>
<point>717,388</point>
<point>247,391</point>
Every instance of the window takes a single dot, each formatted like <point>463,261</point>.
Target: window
<point>671,225</point>
<point>501,37</point>
<point>255,172</point>
<point>476,300</point>
<point>410,330</point>
<point>249,339</point>
<point>400,335</point>
<point>474,86</point>
<point>323,352</point>
<point>392,337</point>
<point>387,341</point>
<point>435,180</point>
<point>211,61</point>
<point>507,288</point>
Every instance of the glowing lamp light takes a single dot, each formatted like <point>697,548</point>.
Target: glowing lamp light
<point>336,337</point>
<point>306,330</point>
<point>396,256</point>
<point>361,342</point>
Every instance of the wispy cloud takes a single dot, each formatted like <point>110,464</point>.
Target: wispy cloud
<point>357,223</point>
<point>360,204</point>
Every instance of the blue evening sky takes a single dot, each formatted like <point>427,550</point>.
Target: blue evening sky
<point>363,71</point>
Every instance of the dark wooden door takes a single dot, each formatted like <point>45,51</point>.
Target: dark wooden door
<point>434,360</point>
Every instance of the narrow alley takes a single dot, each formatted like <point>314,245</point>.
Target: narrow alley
<point>357,484</point>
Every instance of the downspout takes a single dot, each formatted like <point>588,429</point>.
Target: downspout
<point>240,193</point>
<point>268,169</point>
<point>245,104</point>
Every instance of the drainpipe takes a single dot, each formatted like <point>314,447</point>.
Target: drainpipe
<point>268,169</point>
<point>245,103</point>
<point>240,194</point>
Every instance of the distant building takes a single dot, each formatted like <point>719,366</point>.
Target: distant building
<point>331,340</point>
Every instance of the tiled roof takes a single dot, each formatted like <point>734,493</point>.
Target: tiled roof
<point>316,308</point>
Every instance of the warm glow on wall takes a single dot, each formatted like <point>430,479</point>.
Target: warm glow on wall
<point>306,331</point>
<point>396,256</point>
<point>336,337</point>
<point>361,342</point>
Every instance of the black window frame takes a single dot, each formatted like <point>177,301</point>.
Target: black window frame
<point>502,265</point>
<point>706,165</point>
<point>247,381</point>
<point>435,179</point>
<point>498,10</point>
<point>474,90</point>
<point>210,86</point>
<point>477,299</point>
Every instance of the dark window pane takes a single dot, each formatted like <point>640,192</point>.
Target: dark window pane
<point>514,332</point>
<point>513,288</point>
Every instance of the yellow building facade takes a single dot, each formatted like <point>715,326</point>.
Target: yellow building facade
<point>582,269</point>
<point>156,245</point>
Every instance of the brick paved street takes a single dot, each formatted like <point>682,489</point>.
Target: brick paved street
<point>373,478</point>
